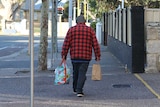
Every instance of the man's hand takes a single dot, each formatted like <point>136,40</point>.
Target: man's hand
<point>97,58</point>
<point>63,58</point>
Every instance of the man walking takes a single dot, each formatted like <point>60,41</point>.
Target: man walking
<point>80,40</point>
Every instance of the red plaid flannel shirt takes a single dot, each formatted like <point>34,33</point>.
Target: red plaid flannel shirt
<point>80,39</point>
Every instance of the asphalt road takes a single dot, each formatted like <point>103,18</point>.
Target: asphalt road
<point>11,46</point>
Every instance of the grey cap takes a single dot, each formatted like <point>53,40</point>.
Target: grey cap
<point>80,19</point>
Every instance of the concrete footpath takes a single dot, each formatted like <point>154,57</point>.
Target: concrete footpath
<point>117,88</point>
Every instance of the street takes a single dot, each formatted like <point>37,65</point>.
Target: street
<point>11,46</point>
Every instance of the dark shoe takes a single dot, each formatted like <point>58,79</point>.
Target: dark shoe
<point>80,94</point>
<point>74,92</point>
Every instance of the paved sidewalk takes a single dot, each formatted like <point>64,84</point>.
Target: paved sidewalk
<point>116,89</point>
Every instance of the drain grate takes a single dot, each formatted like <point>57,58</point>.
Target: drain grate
<point>121,86</point>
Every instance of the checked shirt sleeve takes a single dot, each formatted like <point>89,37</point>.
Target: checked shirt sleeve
<point>66,44</point>
<point>95,45</point>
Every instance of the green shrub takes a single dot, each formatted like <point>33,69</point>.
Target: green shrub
<point>93,25</point>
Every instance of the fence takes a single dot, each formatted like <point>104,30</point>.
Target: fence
<point>125,36</point>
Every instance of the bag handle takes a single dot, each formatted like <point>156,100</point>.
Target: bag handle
<point>65,70</point>
<point>63,61</point>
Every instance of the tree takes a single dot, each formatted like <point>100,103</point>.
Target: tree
<point>10,7</point>
<point>42,58</point>
<point>145,3</point>
<point>100,6</point>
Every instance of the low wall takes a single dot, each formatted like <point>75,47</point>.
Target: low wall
<point>62,28</point>
<point>22,27</point>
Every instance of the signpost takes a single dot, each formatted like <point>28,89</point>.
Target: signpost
<point>31,33</point>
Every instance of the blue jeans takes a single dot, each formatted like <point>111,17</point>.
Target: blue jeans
<point>79,75</point>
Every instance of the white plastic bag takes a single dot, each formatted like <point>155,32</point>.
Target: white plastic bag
<point>62,74</point>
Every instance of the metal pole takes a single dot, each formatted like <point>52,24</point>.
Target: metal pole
<point>74,15</point>
<point>85,8</point>
<point>122,4</point>
<point>78,11</point>
<point>87,12</point>
<point>54,31</point>
<point>52,34</point>
<point>32,51</point>
<point>70,13</point>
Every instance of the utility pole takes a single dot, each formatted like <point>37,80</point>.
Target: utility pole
<point>70,13</point>
<point>54,31</point>
<point>78,8</point>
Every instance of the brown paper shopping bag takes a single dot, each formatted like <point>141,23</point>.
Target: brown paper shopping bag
<point>96,72</point>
